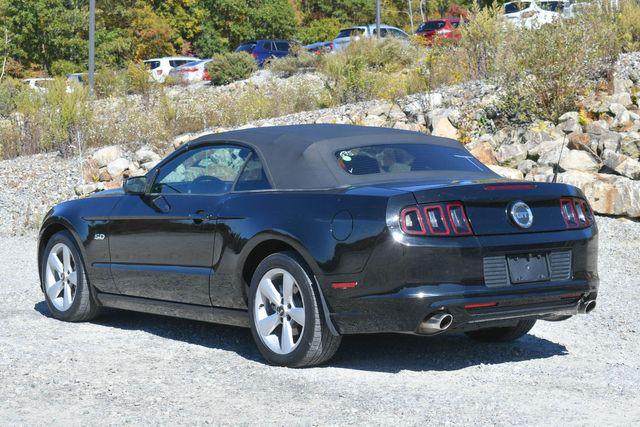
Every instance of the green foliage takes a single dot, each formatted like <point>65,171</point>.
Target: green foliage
<point>544,71</point>
<point>629,25</point>
<point>229,67</point>
<point>138,79</point>
<point>325,29</point>
<point>365,69</point>
<point>62,67</point>
<point>298,59</point>
<point>9,89</point>
<point>110,82</point>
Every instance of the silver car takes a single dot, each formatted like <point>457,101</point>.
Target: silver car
<point>367,31</point>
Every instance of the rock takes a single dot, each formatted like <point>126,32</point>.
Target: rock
<point>579,160</point>
<point>581,141</point>
<point>104,175</point>
<point>145,155</point>
<point>622,85</point>
<point>609,141</point>
<point>84,189</point>
<point>117,167</point>
<point>182,139</point>
<point>607,194</point>
<point>630,146</point>
<point>374,120</point>
<point>106,155</point>
<point>380,109</point>
<point>511,155</point>
<point>507,172</point>
<point>570,125</point>
<point>540,174</point>
<point>622,164</point>
<point>526,166</point>
<point>571,115</point>
<point>483,152</point>
<point>443,127</point>
<point>547,153</point>
<point>149,165</point>
<point>617,109</point>
<point>623,98</point>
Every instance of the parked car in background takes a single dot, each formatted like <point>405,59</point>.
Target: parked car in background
<point>160,67</point>
<point>533,13</point>
<point>38,83</point>
<point>264,50</point>
<point>191,72</point>
<point>77,78</point>
<point>319,47</point>
<point>440,28</point>
<point>345,35</point>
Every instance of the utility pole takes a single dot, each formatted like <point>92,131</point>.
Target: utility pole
<point>92,44</point>
<point>378,18</point>
<point>411,16</point>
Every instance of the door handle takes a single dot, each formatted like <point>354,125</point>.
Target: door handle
<point>200,216</point>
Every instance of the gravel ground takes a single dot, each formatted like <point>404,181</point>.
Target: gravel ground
<point>143,369</point>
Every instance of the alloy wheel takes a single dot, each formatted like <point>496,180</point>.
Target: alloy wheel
<point>279,314</point>
<point>61,277</point>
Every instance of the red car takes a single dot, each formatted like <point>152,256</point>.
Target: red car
<point>440,28</point>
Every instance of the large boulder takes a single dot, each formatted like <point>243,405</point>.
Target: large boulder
<point>511,155</point>
<point>509,173</point>
<point>441,126</point>
<point>622,164</point>
<point>117,167</point>
<point>146,154</point>
<point>483,152</point>
<point>579,160</point>
<point>106,155</point>
<point>607,194</point>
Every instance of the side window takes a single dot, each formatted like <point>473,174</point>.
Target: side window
<point>383,32</point>
<point>397,33</point>
<point>253,176</point>
<point>208,170</point>
<point>282,46</point>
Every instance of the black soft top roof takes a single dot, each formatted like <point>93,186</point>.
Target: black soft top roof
<point>303,156</point>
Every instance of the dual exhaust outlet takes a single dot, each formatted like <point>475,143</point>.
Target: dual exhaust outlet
<point>442,321</point>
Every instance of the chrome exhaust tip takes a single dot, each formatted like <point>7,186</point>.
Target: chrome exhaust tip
<point>436,323</point>
<point>587,306</point>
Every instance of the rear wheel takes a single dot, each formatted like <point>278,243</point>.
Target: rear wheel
<point>509,333</point>
<point>286,321</point>
<point>64,282</point>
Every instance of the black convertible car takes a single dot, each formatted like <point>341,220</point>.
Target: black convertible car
<point>306,233</point>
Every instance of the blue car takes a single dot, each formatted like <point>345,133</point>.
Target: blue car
<point>263,50</point>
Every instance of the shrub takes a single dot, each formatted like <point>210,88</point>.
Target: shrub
<point>299,59</point>
<point>362,70</point>
<point>628,21</point>
<point>62,67</point>
<point>9,89</point>
<point>110,83</point>
<point>319,30</point>
<point>138,79</point>
<point>229,67</point>
<point>543,72</point>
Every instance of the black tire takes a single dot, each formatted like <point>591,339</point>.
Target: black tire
<point>316,343</point>
<point>84,307</point>
<point>509,333</point>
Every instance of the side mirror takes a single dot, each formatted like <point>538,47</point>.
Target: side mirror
<point>135,185</point>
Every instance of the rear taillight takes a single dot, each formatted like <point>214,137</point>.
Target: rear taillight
<point>189,70</point>
<point>575,212</point>
<point>440,219</point>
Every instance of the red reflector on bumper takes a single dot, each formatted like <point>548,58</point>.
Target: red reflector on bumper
<point>481,304</point>
<point>344,285</point>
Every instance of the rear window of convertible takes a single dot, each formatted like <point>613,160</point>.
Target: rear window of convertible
<point>398,158</point>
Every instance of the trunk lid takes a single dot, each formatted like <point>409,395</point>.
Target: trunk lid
<point>487,203</point>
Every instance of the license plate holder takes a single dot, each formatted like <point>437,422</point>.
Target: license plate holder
<point>528,268</point>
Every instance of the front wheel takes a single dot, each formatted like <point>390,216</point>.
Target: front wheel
<point>64,281</point>
<point>286,322</point>
<point>502,334</point>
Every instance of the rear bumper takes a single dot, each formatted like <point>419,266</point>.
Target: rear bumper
<point>402,285</point>
<point>403,311</point>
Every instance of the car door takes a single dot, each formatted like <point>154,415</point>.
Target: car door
<point>282,48</point>
<point>161,243</point>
